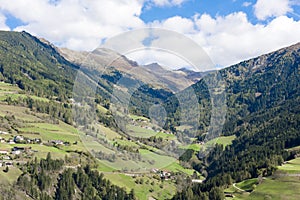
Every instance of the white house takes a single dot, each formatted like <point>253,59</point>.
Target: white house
<point>3,152</point>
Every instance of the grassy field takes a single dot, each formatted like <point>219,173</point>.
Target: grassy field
<point>136,117</point>
<point>247,185</point>
<point>284,184</point>
<point>101,109</point>
<point>278,188</point>
<point>47,131</point>
<point>195,147</point>
<point>225,140</point>
<point>137,131</point>
<point>166,136</point>
<point>292,166</point>
<point>14,92</point>
<point>109,134</point>
<point>20,113</point>
<point>37,125</point>
<point>126,142</point>
<point>9,177</point>
<point>176,167</point>
<point>149,160</point>
<point>146,186</point>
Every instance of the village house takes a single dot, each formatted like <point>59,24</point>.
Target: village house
<point>2,140</point>
<point>57,142</point>
<point>16,152</point>
<point>8,163</point>
<point>18,139</point>
<point>3,132</point>
<point>165,175</point>
<point>11,141</point>
<point>6,158</point>
<point>3,152</point>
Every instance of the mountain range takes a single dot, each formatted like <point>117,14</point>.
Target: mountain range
<point>254,102</point>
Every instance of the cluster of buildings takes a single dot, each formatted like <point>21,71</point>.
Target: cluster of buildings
<point>164,175</point>
<point>19,139</point>
<point>6,156</point>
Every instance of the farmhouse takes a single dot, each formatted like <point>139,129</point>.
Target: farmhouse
<point>3,132</point>
<point>6,158</point>
<point>3,152</point>
<point>165,175</point>
<point>18,139</point>
<point>16,152</point>
<point>9,163</point>
<point>11,141</point>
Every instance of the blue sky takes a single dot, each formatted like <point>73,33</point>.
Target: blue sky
<point>190,8</point>
<point>228,30</point>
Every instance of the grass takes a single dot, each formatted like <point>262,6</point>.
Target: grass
<point>20,113</point>
<point>47,131</point>
<point>282,185</point>
<point>101,109</point>
<point>126,142</point>
<point>247,185</point>
<point>166,136</point>
<point>279,188</point>
<point>102,167</point>
<point>176,167</point>
<point>195,147</point>
<point>121,180</point>
<point>11,176</point>
<point>91,144</point>
<point>42,150</point>
<point>292,166</point>
<point>149,160</point>
<point>136,117</point>
<point>225,140</point>
<point>137,131</point>
<point>160,190</point>
<point>110,134</point>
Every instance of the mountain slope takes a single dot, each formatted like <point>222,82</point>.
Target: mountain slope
<point>263,95</point>
<point>259,83</point>
<point>35,66</point>
<point>105,60</point>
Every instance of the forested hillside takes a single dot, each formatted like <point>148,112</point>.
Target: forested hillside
<point>35,66</point>
<point>263,95</point>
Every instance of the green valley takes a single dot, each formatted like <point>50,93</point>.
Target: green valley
<point>69,130</point>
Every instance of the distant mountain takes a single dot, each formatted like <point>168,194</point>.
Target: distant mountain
<point>192,75</point>
<point>39,68</point>
<point>153,74</point>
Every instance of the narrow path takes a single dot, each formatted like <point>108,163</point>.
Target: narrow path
<point>234,185</point>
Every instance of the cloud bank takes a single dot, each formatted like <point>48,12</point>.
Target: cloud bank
<point>227,39</point>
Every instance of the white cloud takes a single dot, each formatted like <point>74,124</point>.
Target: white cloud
<point>232,38</point>
<point>176,23</point>
<point>246,4</point>
<point>271,8</point>
<point>83,24</point>
<point>74,23</point>
<point>162,3</point>
<point>3,26</point>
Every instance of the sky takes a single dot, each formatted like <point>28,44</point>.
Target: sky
<point>229,31</point>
